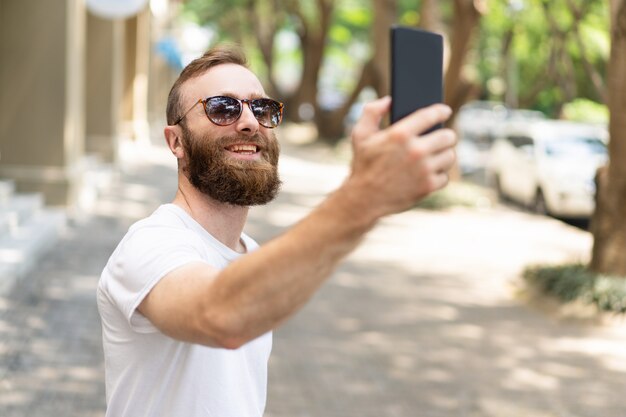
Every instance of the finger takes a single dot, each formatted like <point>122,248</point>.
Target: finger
<point>432,143</point>
<point>438,181</point>
<point>443,161</point>
<point>369,123</point>
<point>423,119</point>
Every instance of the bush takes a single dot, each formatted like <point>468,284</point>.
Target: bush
<point>583,110</point>
<point>575,282</point>
<point>566,282</point>
<point>457,194</point>
<point>610,294</point>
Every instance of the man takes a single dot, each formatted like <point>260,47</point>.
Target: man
<point>187,300</point>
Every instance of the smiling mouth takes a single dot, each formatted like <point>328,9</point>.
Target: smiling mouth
<point>243,149</point>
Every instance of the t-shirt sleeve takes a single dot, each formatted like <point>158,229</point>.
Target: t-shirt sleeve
<point>141,260</point>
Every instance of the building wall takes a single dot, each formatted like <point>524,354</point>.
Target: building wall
<point>71,84</point>
<point>41,105</point>
<point>104,86</point>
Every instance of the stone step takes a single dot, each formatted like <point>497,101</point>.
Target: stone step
<point>20,251</point>
<point>17,210</point>
<point>7,188</point>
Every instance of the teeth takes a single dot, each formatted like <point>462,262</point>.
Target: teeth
<point>243,148</point>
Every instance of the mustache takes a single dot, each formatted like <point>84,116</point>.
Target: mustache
<point>257,139</point>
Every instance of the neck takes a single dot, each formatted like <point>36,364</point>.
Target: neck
<point>225,222</point>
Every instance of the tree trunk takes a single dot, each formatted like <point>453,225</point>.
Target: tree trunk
<point>313,55</point>
<point>466,17</point>
<point>264,22</point>
<point>313,34</point>
<point>543,82</point>
<point>375,73</point>
<point>458,90</point>
<point>578,14</point>
<point>330,124</point>
<point>609,221</point>
<point>430,16</point>
<point>385,12</point>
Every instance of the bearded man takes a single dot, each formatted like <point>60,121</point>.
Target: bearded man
<point>187,300</point>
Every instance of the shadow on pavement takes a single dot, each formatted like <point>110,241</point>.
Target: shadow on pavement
<point>420,321</point>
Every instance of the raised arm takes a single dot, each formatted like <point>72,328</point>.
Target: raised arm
<point>392,169</point>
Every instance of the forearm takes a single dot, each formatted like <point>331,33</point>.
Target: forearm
<point>259,291</point>
<point>392,169</point>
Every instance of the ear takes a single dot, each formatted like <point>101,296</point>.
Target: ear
<point>173,137</point>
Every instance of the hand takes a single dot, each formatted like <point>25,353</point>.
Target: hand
<point>394,168</point>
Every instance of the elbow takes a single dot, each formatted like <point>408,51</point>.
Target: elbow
<point>223,331</point>
<point>231,343</point>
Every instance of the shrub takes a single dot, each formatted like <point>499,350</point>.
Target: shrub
<point>457,194</point>
<point>610,294</point>
<point>575,282</point>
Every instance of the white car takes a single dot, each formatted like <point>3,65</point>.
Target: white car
<point>480,121</point>
<point>549,165</point>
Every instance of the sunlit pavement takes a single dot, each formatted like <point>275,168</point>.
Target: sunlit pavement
<point>426,318</point>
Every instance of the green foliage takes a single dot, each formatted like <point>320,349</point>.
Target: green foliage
<point>457,194</point>
<point>610,294</point>
<point>529,45</point>
<point>355,16</point>
<point>574,282</point>
<point>565,282</point>
<point>409,18</point>
<point>584,110</point>
<point>547,61</point>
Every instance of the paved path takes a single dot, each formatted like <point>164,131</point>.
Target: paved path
<point>424,319</point>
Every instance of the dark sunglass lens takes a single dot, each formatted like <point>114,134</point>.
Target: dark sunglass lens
<point>267,112</point>
<point>223,110</point>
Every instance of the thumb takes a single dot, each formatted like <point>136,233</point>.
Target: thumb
<point>369,123</point>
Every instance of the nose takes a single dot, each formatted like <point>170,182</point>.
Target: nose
<point>247,123</point>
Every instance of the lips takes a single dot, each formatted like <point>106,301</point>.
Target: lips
<point>243,149</point>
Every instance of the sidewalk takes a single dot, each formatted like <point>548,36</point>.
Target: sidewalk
<point>423,319</point>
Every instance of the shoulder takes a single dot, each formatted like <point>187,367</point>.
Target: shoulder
<point>162,239</point>
<point>151,248</point>
<point>166,215</point>
<point>165,225</point>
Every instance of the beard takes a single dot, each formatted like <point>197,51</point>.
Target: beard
<point>227,179</point>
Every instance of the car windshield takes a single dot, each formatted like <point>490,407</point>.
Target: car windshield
<point>575,147</point>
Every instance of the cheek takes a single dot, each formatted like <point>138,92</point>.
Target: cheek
<point>273,144</point>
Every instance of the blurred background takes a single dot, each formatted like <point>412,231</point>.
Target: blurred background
<point>77,78</point>
<point>80,77</point>
<point>537,87</point>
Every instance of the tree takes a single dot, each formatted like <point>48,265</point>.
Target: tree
<point>374,73</point>
<point>312,27</point>
<point>543,54</point>
<point>256,24</point>
<point>608,224</point>
<point>465,20</point>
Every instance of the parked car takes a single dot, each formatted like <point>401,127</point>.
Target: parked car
<point>479,121</point>
<point>548,165</point>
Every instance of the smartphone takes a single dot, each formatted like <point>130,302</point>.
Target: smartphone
<point>416,71</point>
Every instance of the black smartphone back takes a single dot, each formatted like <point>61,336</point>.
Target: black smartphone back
<point>416,70</point>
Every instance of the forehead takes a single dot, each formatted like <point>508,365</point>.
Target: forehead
<point>231,79</point>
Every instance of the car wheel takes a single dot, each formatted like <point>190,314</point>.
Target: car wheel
<point>539,205</point>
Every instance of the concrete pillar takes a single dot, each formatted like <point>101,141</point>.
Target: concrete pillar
<point>136,69</point>
<point>162,74</point>
<point>104,86</point>
<point>142,71</point>
<point>42,96</point>
<point>130,48</point>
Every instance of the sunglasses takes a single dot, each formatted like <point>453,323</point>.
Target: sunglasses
<point>224,110</point>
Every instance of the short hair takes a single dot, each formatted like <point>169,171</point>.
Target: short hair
<point>220,54</point>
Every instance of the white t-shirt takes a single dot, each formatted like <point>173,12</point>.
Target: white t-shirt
<point>149,374</point>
